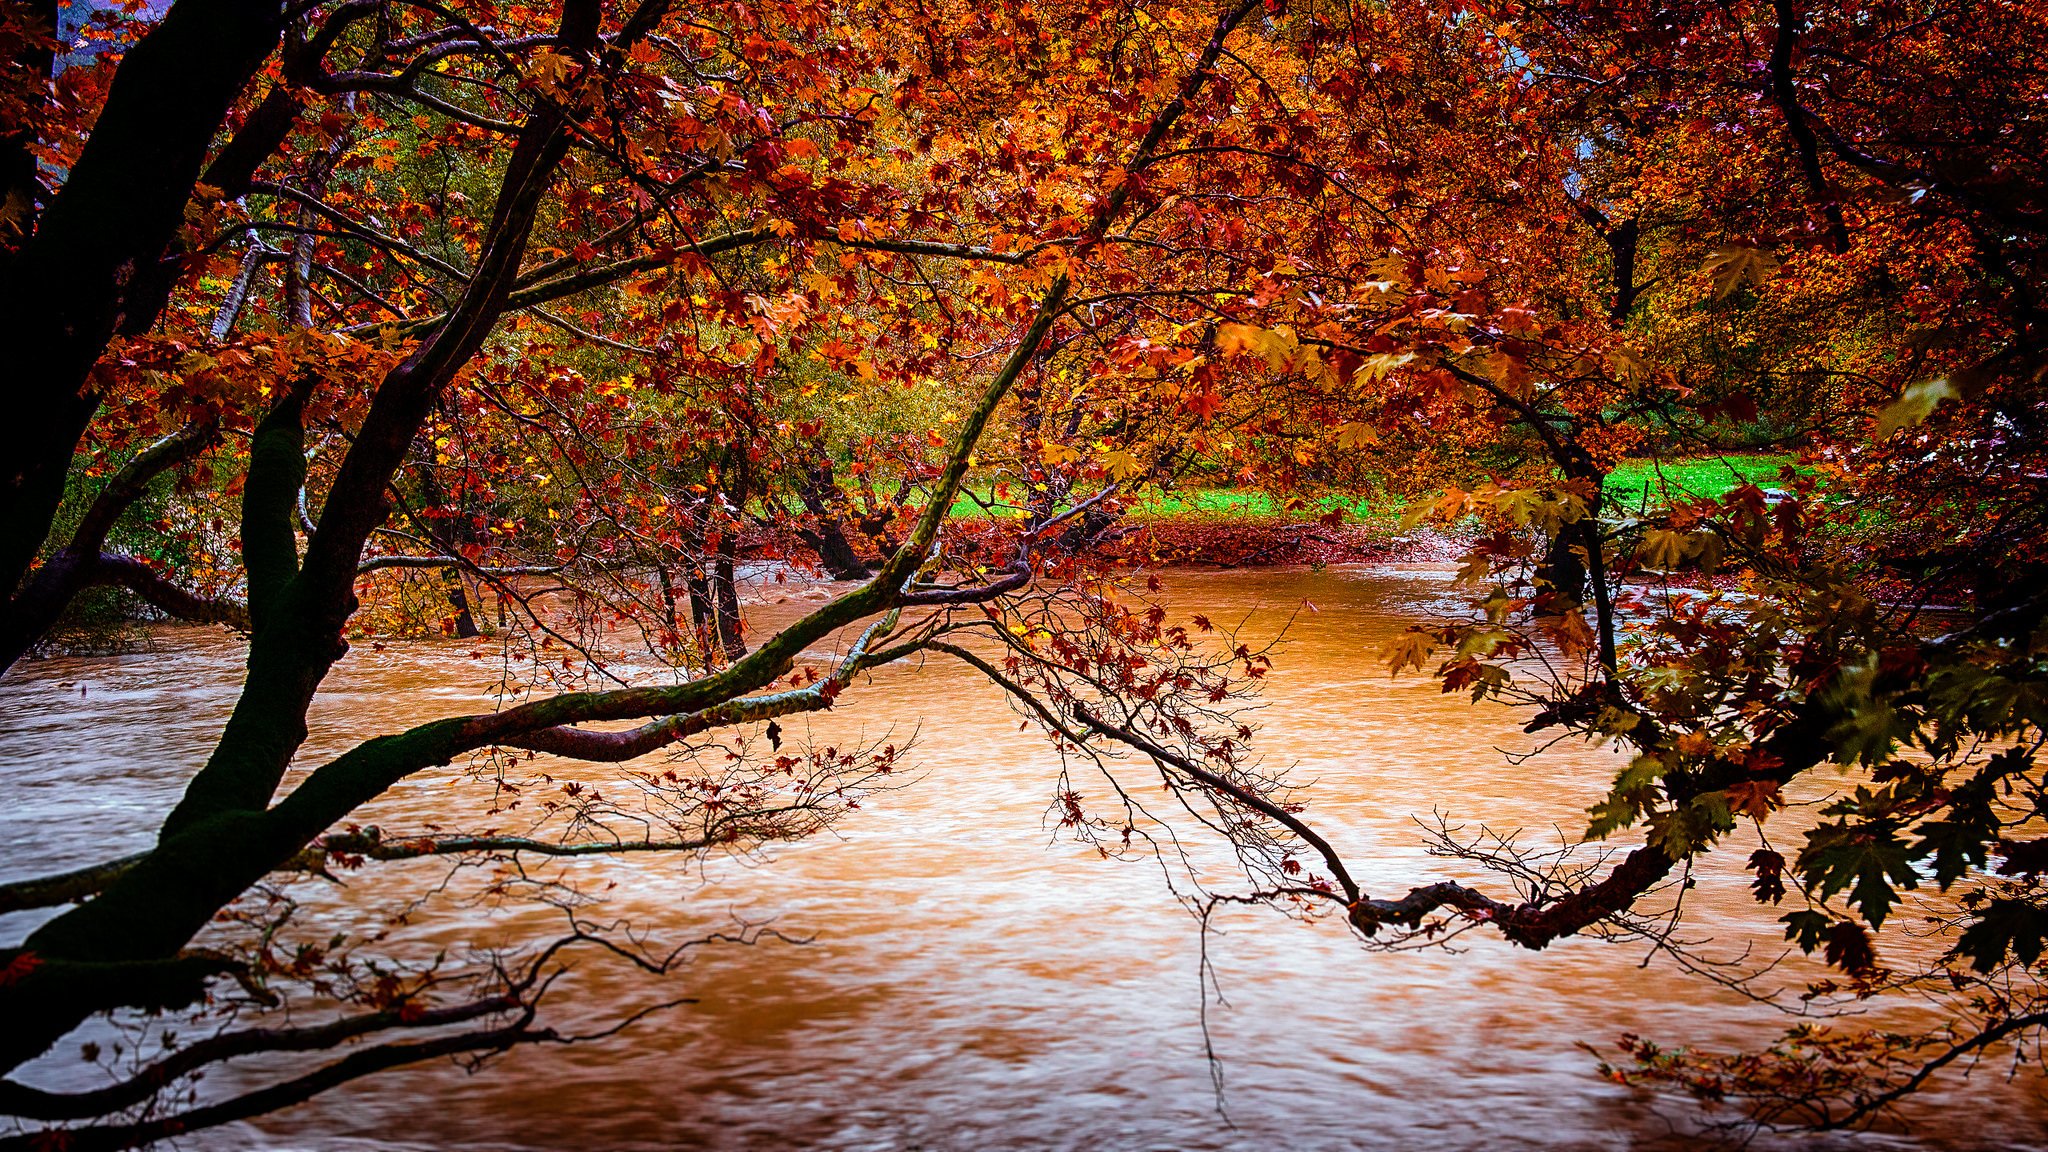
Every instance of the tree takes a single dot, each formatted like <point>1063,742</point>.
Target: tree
<point>707,126</point>
<point>792,279</point>
<point>1859,285</point>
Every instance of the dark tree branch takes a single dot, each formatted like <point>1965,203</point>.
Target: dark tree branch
<point>1786,95</point>
<point>26,617</point>
<point>30,1103</point>
<point>167,597</point>
<point>63,888</point>
<point>84,274</point>
<point>112,1137</point>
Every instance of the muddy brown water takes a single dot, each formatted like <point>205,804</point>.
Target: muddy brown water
<point>973,980</point>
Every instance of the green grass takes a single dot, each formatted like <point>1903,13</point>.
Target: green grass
<point>1216,504</point>
<point>1709,477</point>
<point>1627,486</point>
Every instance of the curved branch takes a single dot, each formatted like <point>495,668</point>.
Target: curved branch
<point>152,586</point>
<point>1989,1036</point>
<point>586,278</point>
<point>31,1103</point>
<point>26,617</point>
<point>65,887</point>
<point>111,1137</point>
<point>1249,799</point>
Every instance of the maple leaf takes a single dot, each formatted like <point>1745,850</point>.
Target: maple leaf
<point>549,68</point>
<point>1628,366</point>
<point>1407,650</point>
<point>1662,548</point>
<point>1807,927</point>
<point>1354,435</point>
<point>1769,884</point>
<point>1848,948</point>
<point>1571,632</point>
<point>1733,265</point>
<point>1754,798</point>
<point>1914,405</point>
<point>1120,465</point>
<point>1867,860</point>
<point>1203,404</point>
<point>2015,926</point>
<point>1377,366</point>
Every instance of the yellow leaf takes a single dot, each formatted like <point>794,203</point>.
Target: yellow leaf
<point>1628,366</point>
<point>1356,435</point>
<point>1733,265</point>
<point>1914,405</point>
<point>1277,345</point>
<point>549,67</point>
<point>1408,650</point>
<point>1377,366</point>
<point>1662,548</point>
<point>1120,465</point>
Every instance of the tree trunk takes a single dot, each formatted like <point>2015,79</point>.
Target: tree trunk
<point>828,505</point>
<point>93,257</point>
<point>726,593</point>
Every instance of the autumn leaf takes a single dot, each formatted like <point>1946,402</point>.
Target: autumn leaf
<point>1355,435</point>
<point>1733,265</point>
<point>549,68</point>
<point>1121,465</point>
<point>1203,403</point>
<point>1377,366</point>
<point>1278,346</point>
<point>1754,798</point>
<point>1628,366</point>
<point>1407,650</point>
<point>1662,548</point>
<point>1769,885</point>
<point>1848,948</point>
<point>1237,339</point>
<point>1914,405</point>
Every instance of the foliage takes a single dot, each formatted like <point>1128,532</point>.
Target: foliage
<point>350,319</point>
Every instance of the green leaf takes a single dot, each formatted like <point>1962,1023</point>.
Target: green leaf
<point>1956,847</point>
<point>1866,859</point>
<point>1684,831</point>
<point>2014,926</point>
<point>1610,816</point>
<point>1809,928</point>
<point>1634,791</point>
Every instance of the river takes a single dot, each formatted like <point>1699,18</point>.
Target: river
<point>975,981</point>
